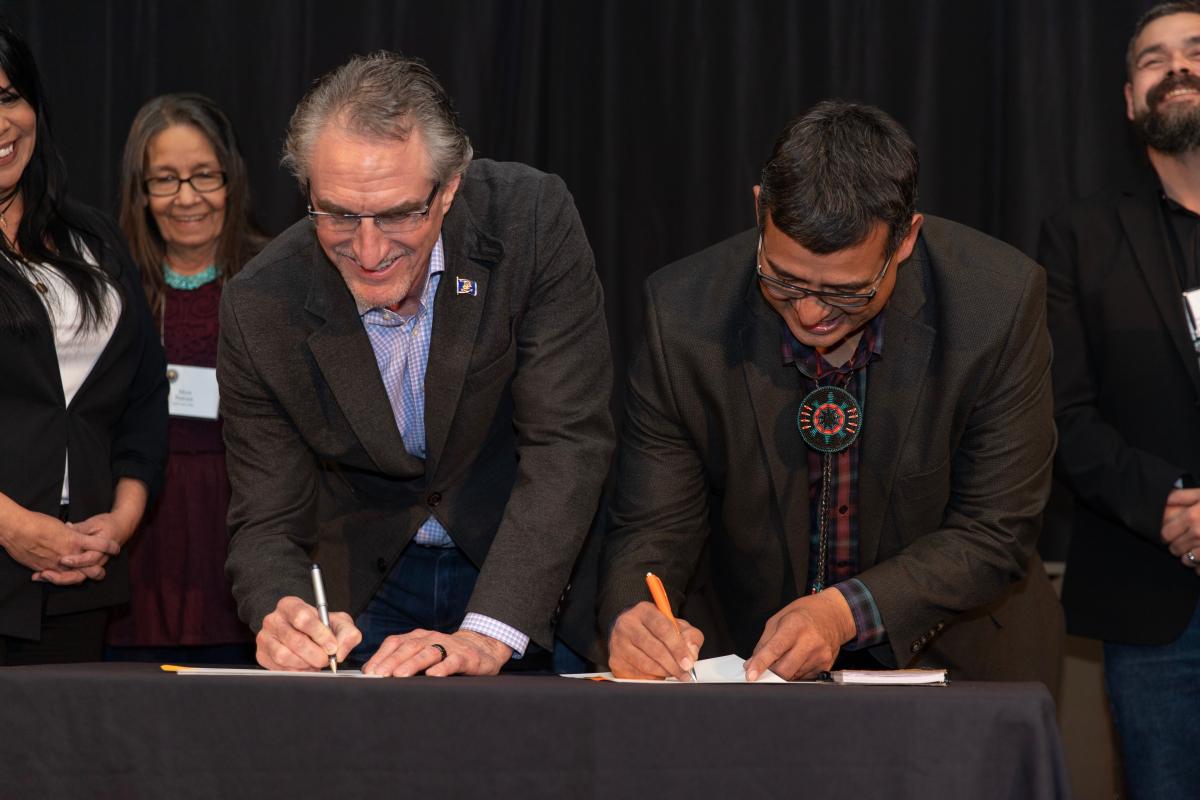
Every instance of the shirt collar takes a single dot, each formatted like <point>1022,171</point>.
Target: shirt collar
<point>1175,207</point>
<point>810,362</point>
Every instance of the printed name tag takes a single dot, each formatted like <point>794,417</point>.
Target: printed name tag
<point>192,392</point>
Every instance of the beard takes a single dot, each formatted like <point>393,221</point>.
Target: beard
<point>1175,130</point>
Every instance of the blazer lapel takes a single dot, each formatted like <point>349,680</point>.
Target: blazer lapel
<point>469,254</point>
<point>894,383</point>
<point>343,353</point>
<point>1146,229</point>
<point>775,393</point>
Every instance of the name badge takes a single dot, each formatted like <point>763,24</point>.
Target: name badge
<point>192,391</point>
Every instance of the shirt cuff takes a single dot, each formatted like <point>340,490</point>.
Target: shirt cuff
<point>497,630</point>
<point>867,622</point>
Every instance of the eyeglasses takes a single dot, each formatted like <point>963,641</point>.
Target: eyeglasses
<point>782,290</point>
<point>384,223</point>
<point>167,185</point>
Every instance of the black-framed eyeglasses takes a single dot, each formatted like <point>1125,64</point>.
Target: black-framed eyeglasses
<point>385,223</point>
<point>782,290</point>
<point>167,185</point>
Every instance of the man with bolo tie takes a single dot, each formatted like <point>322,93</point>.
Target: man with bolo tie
<point>1124,309</point>
<point>839,434</point>
<point>415,384</point>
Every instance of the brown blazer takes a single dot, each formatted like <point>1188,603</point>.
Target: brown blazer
<point>957,442</point>
<point>518,428</point>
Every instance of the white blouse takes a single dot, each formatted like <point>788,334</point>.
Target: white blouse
<point>78,350</point>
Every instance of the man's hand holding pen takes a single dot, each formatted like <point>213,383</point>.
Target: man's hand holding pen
<point>294,638</point>
<point>645,644</point>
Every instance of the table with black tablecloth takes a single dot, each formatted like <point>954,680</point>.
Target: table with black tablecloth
<point>119,730</point>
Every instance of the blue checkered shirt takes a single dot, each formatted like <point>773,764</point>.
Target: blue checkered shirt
<point>401,346</point>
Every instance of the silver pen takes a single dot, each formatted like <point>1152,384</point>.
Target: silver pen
<point>322,606</point>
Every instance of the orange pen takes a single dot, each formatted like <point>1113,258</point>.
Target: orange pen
<point>659,593</point>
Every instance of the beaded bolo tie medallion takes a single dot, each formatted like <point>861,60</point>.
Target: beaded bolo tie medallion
<point>829,420</point>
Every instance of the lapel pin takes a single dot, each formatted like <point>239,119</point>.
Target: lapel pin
<point>466,286</point>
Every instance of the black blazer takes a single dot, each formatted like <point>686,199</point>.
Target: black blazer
<point>1126,388</point>
<point>957,445</point>
<point>115,427</point>
<point>518,430</point>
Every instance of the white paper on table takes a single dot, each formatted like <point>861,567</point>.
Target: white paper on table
<point>724,669</point>
<point>266,673</point>
<point>890,677</point>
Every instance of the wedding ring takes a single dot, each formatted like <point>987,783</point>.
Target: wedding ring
<point>441,650</point>
<point>1191,557</point>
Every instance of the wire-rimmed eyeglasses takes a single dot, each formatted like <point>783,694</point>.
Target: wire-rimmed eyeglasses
<point>782,290</point>
<point>385,223</point>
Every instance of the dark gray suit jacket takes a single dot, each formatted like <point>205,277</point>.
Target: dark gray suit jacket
<point>957,443</point>
<point>1126,391</point>
<point>517,420</point>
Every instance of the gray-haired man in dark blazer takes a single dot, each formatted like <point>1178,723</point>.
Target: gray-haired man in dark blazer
<point>839,434</point>
<point>415,386</point>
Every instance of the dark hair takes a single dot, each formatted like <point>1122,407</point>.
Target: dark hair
<point>239,239</point>
<point>835,173</point>
<point>1160,10</point>
<point>49,230</point>
<point>382,95</point>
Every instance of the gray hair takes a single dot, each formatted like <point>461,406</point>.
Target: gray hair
<point>380,96</point>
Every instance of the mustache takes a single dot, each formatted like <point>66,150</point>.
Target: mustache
<point>1182,80</point>
<point>387,261</point>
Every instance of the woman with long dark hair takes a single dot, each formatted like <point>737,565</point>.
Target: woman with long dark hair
<point>82,393</point>
<point>185,213</point>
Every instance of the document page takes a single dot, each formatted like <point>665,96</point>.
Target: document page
<point>724,669</point>
<point>263,673</point>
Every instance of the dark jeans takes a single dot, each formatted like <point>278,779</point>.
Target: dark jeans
<point>1156,710</point>
<point>428,588</point>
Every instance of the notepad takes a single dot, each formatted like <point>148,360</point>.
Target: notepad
<point>724,669</point>
<point>889,677</point>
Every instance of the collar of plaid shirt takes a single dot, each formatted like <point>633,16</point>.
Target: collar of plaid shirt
<point>814,367</point>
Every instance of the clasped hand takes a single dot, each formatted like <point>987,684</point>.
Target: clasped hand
<point>64,553</point>
<point>1181,526</point>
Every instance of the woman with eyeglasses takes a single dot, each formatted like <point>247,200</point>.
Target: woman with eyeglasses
<point>185,213</point>
<point>82,393</point>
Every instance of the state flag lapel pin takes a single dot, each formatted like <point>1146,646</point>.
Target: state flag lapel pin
<point>466,286</point>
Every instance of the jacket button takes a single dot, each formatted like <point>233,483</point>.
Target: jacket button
<point>381,565</point>
<point>433,499</point>
<point>916,647</point>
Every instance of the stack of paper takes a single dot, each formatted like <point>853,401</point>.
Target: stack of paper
<point>889,677</point>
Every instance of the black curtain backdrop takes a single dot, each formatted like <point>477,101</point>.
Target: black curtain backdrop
<point>657,113</point>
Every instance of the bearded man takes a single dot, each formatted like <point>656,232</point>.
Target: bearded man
<point>1123,303</point>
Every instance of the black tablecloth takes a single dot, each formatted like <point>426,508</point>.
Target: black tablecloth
<point>109,730</point>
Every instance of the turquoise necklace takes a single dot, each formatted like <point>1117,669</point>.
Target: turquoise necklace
<point>189,282</point>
